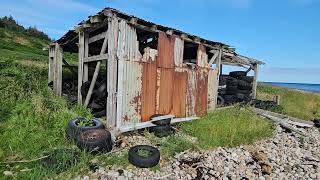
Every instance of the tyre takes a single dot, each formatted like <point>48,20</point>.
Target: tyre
<point>237,74</point>
<point>220,101</point>
<point>73,130</point>
<point>232,82</point>
<point>100,114</point>
<point>229,99</point>
<point>246,92</point>
<point>222,81</point>
<point>95,140</point>
<point>240,96</point>
<point>85,88</point>
<point>149,158</point>
<point>222,91</point>
<point>243,85</point>
<point>248,79</point>
<point>232,90</point>
<point>161,131</point>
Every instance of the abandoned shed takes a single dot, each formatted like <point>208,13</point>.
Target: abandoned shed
<point>149,69</point>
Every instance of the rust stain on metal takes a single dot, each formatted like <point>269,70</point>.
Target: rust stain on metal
<point>202,92</point>
<point>191,91</point>
<point>166,90</point>
<point>165,51</point>
<point>179,93</point>
<point>149,83</point>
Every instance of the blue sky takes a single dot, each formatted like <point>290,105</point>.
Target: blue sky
<point>283,33</point>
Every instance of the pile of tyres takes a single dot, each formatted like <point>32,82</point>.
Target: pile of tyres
<point>235,88</point>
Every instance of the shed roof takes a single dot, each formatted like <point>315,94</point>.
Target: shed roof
<point>229,54</point>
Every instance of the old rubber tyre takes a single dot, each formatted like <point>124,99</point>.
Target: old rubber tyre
<point>151,160</point>
<point>95,140</point>
<point>232,90</point>
<point>222,91</point>
<point>161,122</point>
<point>248,79</point>
<point>229,99</point>
<point>220,101</point>
<point>100,114</point>
<point>73,129</point>
<point>161,131</point>
<point>238,74</point>
<point>243,85</point>
<point>222,80</point>
<point>246,92</point>
<point>232,82</point>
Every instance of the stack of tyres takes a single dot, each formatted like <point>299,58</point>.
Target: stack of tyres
<point>238,88</point>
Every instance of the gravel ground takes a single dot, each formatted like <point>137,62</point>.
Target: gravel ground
<point>286,155</point>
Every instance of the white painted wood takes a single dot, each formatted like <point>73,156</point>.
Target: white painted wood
<point>255,80</point>
<point>96,58</point>
<point>113,28</point>
<point>162,117</point>
<point>214,57</point>
<point>80,65</point>
<point>218,67</point>
<point>86,54</point>
<point>178,52</point>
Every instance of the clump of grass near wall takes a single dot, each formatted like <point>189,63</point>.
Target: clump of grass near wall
<point>229,127</point>
<point>295,103</point>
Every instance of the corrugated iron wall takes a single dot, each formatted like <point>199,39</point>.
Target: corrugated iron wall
<point>158,82</point>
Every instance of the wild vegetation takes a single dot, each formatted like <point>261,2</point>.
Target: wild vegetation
<point>295,103</point>
<point>33,120</point>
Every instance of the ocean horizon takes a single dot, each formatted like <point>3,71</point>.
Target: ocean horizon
<point>299,86</point>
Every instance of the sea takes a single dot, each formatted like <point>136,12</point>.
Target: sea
<point>300,86</point>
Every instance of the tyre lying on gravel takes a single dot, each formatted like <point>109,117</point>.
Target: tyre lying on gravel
<point>74,127</point>
<point>95,140</point>
<point>144,156</point>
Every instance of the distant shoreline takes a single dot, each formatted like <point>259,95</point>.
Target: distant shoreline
<point>302,87</point>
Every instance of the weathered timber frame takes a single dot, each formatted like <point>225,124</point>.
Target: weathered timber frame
<point>144,79</point>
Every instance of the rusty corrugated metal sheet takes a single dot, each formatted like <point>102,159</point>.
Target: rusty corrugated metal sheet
<point>212,89</point>
<point>149,84</point>
<point>131,85</point>
<point>202,92</point>
<point>166,90</point>
<point>179,93</point>
<point>165,51</point>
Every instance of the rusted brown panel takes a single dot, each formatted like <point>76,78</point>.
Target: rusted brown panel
<point>191,92</point>
<point>201,92</point>
<point>179,93</point>
<point>165,51</point>
<point>148,97</point>
<point>166,90</point>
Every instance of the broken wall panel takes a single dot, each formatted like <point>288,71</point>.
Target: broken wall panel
<point>212,89</point>
<point>166,90</point>
<point>179,93</point>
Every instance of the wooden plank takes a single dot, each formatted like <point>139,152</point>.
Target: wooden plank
<point>100,57</point>
<point>97,37</point>
<point>95,19</point>
<point>51,63</point>
<point>255,80</point>
<point>57,79</point>
<point>113,26</point>
<point>214,57</point>
<point>86,54</point>
<point>80,65</point>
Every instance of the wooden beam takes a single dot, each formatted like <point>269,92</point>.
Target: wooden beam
<point>57,75</point>
<point>96,58</point>
<point>169,32</point>
<point>86,54</point>
<point>80,65</point>
<point>97,37</point>
<point>96,71</point>
<point>113,28</point>
<point>86,25</point>
<point>51,62</point>
<point>71,68</point>
<point>255,80</point>
<point>218,63</point>
<point>214,57</point>
<point>95,19</point>
<point>133,21</point>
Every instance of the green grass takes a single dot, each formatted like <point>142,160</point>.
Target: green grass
<point>230,127</point>
<point>295,103</point>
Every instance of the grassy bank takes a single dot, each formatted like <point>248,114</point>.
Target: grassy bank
<point>295,103</point>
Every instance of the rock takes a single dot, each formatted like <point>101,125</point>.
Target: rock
<point>266,168</point>
<point>7,173</point>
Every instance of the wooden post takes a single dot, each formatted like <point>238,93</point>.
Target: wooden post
<point>86,54</point>
<point>51,62</point>
<point>277,97</point>
<point>112,68</point>
<point>57,74</point>
<point>218,66</point>
<point>255,81</point>
<point>80,65</point>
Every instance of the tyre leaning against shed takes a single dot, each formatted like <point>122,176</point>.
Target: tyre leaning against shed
<point>73,130</point>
